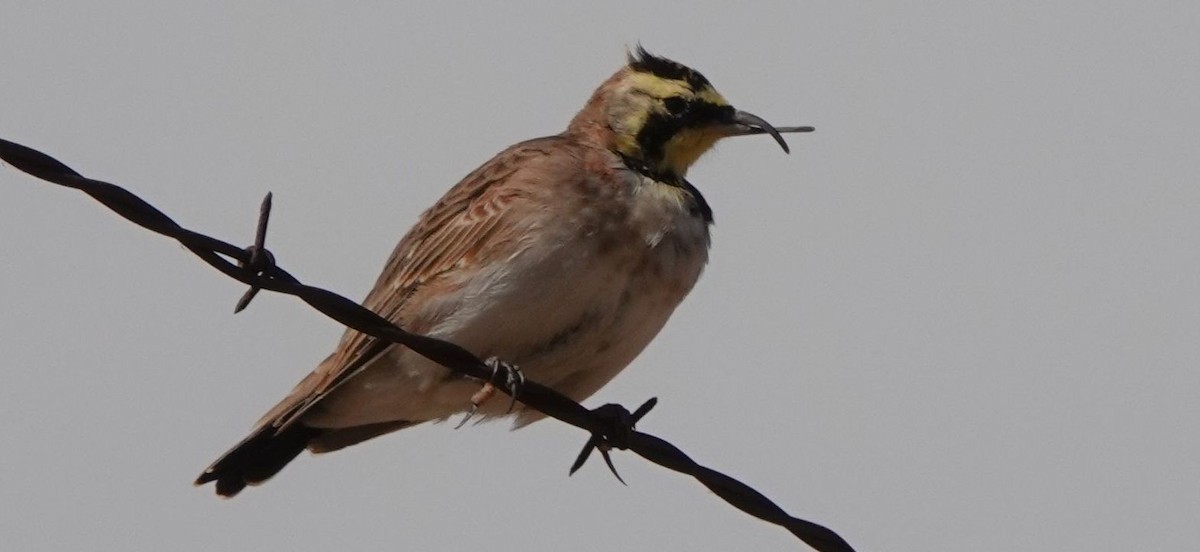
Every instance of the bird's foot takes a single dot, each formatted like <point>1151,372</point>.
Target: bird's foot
<point>513,379</point>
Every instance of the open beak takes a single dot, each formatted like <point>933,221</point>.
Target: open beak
<point>743,124</point>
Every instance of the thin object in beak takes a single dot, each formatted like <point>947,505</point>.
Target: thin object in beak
<point>749,123</point>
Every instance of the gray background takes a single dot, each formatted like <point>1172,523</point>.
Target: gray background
<point>963,315</point>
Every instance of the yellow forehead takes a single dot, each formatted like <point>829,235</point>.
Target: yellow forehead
<point>659,87</point>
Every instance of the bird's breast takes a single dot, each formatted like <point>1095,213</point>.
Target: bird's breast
<point>673,239</point>
<point>598,283</point>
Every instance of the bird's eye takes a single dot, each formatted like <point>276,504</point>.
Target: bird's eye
<point>675,105</point>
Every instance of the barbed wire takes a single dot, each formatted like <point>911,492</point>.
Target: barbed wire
<point>609,425</point>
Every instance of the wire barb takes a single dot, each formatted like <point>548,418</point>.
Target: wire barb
<point>621,423</point>
<point>252,271</point>
<point>261,260</point>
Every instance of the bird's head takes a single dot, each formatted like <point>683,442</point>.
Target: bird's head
<point>665,115</point>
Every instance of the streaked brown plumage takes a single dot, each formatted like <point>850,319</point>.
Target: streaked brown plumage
<point>563,255</point>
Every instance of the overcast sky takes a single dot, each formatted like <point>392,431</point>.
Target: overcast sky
<point>962,315</point>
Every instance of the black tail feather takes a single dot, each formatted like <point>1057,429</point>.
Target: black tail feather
<point>258,457</point>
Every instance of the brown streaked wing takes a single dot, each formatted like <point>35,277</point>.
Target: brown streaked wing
<point>455,234</point>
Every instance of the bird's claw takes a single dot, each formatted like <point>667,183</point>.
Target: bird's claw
<point>620,423</point>
<point>470,412</point>
<point>514,378</point>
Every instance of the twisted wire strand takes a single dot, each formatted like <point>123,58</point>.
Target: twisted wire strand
<point>247,266</point>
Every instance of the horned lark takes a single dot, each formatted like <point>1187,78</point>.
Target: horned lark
<point>562,255</point>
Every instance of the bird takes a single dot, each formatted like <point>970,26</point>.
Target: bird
<point>561,258</point>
